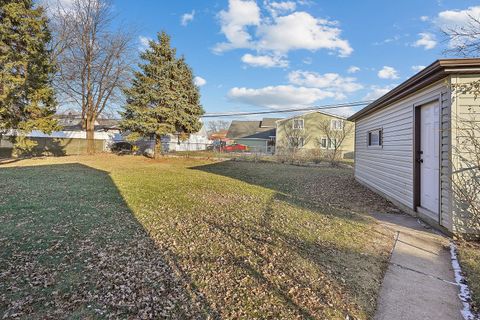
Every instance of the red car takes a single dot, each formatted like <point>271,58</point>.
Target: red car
<point>235,148</point>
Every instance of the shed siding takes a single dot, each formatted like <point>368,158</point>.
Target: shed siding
<point>389,169</point>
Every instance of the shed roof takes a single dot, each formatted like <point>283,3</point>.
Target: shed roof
<point>434,72</point>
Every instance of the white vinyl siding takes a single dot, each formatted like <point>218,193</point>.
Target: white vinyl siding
<point>389,168</point>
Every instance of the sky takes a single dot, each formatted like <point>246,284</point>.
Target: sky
<point>255,55</point>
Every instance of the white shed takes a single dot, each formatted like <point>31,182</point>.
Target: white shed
<point>411,145</point>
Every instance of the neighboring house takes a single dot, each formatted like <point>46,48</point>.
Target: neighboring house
<point>258,136</point>
<point>71,139</point>
<point>195,142</point>
<point>172,143</point>
<point>218,136</point>
<point>408,144</point>
<point>308,132</point>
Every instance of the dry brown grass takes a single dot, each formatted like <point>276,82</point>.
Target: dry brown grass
<point>112,236</point>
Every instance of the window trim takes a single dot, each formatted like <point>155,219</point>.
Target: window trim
<point>334,127</point>
<point>326,143</point>
<point>302,121</point>
<point>330,143</point>
<point>380,138</point>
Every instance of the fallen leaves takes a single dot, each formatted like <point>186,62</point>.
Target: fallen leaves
<point>124,237</point>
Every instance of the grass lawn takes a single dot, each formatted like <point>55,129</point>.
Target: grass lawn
<point>112,236</point>
<point>469,254</point>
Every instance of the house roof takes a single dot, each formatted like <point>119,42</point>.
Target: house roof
<point>222,134</point>
<point>314,111</point>
<point>252,129</point>
<point>269,122</point>
<point>434,72</point>
<point>100,125</point>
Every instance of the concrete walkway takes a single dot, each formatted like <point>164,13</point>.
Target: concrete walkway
<point>419,283</point>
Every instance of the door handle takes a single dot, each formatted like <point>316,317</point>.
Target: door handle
<point>420,160</point>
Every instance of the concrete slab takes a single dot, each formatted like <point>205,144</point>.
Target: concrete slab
<point>419,283</point>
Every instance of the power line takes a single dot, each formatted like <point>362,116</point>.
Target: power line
<point>322,107</point>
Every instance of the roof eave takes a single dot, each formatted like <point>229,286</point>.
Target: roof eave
<point>434,72</point>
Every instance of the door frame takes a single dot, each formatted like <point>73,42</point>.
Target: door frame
<point>416,152</point>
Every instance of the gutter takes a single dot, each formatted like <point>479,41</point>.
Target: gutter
<point>434,72</point>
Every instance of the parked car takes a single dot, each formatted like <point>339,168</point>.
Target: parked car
<point>122,147</point>
<point>236,147</point>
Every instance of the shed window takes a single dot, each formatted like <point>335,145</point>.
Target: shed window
<point>336,124</point>
<point>375,138</point>
<point>298,124</point>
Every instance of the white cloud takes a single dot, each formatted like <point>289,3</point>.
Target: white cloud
<point>424,18</point>
<point>277,8</point>
<point>278,34</point>
<point>144,42</point>
<point>388,73</point>
<point>279,96</point>
<point>393,39</point>
<point>377,91</point>
<point>234,23</point>
<point>333,82</point>
<point>187,18</point>
<point>304,89</point>
<point>307,60</point>
<point>353,69</point>
<point>300,30</point>
<point>457,19</point>
<point>264,61</point>
<point>199,81</point>
<point>427,41</point>
<point>418,68</point>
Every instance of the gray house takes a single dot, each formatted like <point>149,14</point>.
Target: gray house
<point>416,145</point>
<point>259,136</point>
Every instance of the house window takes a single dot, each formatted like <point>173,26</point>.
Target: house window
<point>326,143</point>
<point>298,124</point>
<point>336,124</point>
<point>297,142</point>
<point>375,138</point>
<point>332,143</point>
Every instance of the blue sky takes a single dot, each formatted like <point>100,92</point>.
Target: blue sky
<point>257,55</point>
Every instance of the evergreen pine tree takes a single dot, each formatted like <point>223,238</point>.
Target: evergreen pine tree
<point>27,100</point>
<point>163,98</point>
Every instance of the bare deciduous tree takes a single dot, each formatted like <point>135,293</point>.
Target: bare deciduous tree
<point>217,125</point>
<point>464,39</point>
<point>294,138</point>
<point>466,169</point>
<point>93,60</point>
<point>336,136</point>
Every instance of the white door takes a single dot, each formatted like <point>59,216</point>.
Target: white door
<point>429,163</point>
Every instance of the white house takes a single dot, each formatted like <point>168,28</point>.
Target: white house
<point>411,145</point>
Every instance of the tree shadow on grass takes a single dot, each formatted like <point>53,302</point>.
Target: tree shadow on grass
<point>345,277</point>
<point>71,247</point>
<point>325,190</point>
